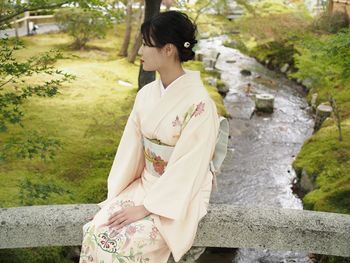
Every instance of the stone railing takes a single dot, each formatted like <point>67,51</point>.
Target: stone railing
<point>223,226</point>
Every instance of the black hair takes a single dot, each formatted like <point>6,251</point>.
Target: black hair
<point>171,27</point>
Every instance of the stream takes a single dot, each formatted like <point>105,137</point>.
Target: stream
<point>257,171</point>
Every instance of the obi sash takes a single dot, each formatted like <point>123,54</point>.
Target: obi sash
<point>157,155</point>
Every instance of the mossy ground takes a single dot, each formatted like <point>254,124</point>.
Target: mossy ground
<point>87,117</point>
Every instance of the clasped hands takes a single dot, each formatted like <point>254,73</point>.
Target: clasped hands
<point>126,216</point>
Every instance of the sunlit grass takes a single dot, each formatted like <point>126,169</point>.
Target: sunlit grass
<point>87,117</point>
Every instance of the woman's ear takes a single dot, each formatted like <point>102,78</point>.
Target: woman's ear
<point>170,49</point>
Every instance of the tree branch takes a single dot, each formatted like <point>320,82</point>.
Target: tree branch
<point>25,9</point>
<point>4,83</point>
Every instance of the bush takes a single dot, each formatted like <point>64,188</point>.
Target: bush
<point>83,25</point>
<point>325,61</point>
<point>331,22</point>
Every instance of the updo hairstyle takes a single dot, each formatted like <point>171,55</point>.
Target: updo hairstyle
<point>171,27</point>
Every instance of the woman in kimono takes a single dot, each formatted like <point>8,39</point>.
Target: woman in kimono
<point>160,182</point>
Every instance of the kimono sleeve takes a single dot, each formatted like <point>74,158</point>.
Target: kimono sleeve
<point>128,162</point>
<point>188,165</point>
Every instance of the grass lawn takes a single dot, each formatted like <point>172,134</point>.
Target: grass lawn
<point>87,117</point>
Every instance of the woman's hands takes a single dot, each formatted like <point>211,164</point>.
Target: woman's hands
<point>126,216</point>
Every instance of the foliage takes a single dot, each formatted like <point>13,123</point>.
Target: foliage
<point>34,193</point>
<point>275,53</point>
<point>331,22</point>
<point>12,9</point>
<point>201,7</point>
<point>16,89</point>
<point>28,146</point>
<point>325,62</point>
<point>14,85</point>
<point>83,25</point>
<point>247,6</point>
<point>275,27</point>
<point>36,254</point>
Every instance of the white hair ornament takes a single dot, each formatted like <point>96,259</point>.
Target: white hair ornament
<point>187,44</point>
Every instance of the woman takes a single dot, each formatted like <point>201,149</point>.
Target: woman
<point>160,183</point>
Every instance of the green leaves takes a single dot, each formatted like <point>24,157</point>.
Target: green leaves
<point>14,74</point>
<point>37,193</point>
<point>83,24</point>
<point>326,62</point>
<point>10,9</point>
<point>28,146</point>
<point>17,85</point>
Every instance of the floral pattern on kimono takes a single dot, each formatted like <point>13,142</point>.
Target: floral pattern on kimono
<point>178,199</point>
<point>193,111</point>
<point>158,163</point>
<point>118,242</point>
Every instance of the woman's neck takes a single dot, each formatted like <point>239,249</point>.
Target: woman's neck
<point>170,75</point>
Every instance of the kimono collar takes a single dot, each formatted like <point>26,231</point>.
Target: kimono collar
<point>163,90</point>
<point>188,79</point>
<point>184,89</point>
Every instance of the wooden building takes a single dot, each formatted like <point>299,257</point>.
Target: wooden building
<point>340,6</point>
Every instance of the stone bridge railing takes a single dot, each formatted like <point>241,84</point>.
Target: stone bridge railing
<point>223,226</point>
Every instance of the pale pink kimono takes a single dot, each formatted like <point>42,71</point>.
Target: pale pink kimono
<point>184,117</point>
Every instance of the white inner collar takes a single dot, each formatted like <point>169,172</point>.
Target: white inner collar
<point>163,90</point>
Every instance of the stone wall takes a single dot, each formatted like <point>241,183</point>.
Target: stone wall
<point>223,226</point>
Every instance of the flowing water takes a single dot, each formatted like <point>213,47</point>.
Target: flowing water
<point>258,171</point>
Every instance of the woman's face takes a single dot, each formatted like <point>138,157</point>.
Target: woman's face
<point>152,58</point>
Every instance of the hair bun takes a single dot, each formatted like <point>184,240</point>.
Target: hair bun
<point>172,27</point>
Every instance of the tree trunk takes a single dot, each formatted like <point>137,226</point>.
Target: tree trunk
<point>124,50</point>
<point>152,8</point>
<point>138,37</point>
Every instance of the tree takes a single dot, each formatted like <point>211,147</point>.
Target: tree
<point>124,49</point>
<point>138,37</point>
<point>11,9</point>
<point>83,25</point>
<point>200,6</point>
<point>152,8</point>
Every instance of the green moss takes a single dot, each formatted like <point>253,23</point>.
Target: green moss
<point>327,159</point>
<point>220,84</point>
<point>276,53</point>
<point>37,255</point>
<point>87,117</point>
<point>279,35</point>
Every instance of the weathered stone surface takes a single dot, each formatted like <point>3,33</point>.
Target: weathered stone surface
<point>323,111</point>
<point>314,101</point>
<point>208,62</point>
<point>246,72</point>
<point>264,102</point>
<point>223,226</point>
<point>284,68</point>
<point>199,56</point>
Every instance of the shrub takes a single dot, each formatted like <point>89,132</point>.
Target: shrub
<point>83,25</point>
<point>331,22</point>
